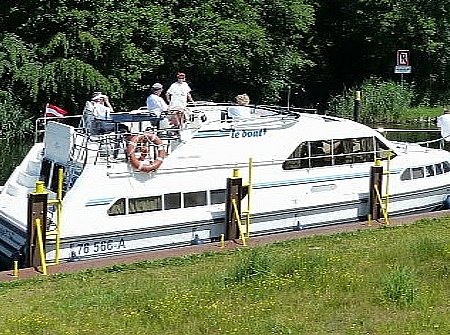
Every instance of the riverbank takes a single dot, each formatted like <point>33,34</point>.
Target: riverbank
<point>364,281</point>
<point>71,267</point>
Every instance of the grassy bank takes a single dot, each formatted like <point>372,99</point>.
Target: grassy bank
<point>385,281</point>
<point>421,113</point>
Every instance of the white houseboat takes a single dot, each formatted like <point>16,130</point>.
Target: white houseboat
<point>165,187</point>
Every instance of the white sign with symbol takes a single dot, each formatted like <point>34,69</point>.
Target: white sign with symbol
<point>402,62</point>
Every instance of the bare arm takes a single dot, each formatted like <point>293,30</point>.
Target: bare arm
<point>108,104</point>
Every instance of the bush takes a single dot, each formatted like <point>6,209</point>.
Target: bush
<point>381,101</point>
<point>15,125</point>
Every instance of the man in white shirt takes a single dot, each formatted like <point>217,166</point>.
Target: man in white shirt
<point>156,104</point>
<point>179,93</point>
<point>443,122</point>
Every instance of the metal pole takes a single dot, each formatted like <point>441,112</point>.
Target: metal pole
<point>357,106</point>
<point>289,97</point>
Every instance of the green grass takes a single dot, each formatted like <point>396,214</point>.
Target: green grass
<point>394,280</point>
<point>421,113</point>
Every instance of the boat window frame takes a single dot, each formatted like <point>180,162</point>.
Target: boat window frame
<point>331,152</point>
<point>177,203</point>
<point>195,199</point>
<point>146,204</point>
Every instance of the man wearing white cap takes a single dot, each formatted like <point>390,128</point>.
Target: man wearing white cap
<point>156,104</point>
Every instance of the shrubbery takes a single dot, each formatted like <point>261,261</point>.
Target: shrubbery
<point>381,101</point>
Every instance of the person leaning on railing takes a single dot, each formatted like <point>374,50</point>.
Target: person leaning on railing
<point>155,104</point>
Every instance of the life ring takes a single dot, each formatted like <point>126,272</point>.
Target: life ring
<point>138,163</point>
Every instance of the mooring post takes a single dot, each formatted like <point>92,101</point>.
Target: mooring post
<point>234,191</point>
<point>376,179</point>
<point>37,209</point>
<point>357,106</point>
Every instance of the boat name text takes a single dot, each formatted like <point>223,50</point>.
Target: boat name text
<point>248,133</point>
<point>85,248</point>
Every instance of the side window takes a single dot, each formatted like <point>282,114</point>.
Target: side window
<point>193,199</point>
<point>446,166</point>
<point>298,158</point>
<point>417,172</point>
<point>320,153</point>
<point>406,175</point>
<point>217,196</point>
<point>117,208</point>
<point>429,170</point>
<point>172,200</point>
<point>383,151</point>
<point>364,148</point>
<point>145,204</point>
<point>438,168</point>
<point>335,152</point>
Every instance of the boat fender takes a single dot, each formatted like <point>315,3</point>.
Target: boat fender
<point>138,163</point>
<point>447,202</point>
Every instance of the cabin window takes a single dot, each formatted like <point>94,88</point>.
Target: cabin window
<point>145,204</point>
<point>382,150</point>
<point>446,166</point>
<point>193,199</point>
<point>417,172</point>
<point>334,152</point>
<point>172,200</point>
<point>298,158</point>
<point>429,170</point>
<point>320,153</point>
<point>217,196</point>
<point>438,168</point>
<point>406,175</point>
<point>117,208</point>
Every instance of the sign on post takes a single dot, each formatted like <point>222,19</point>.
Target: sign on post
<point>402,62</point>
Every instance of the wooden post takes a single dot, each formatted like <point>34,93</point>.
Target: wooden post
<point>376,178</point>
<point>234,191</point>
<point>37,209</point>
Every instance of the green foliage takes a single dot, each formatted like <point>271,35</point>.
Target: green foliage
<point>226,47</point>
<point>382,101</point>
<point>15,124</point>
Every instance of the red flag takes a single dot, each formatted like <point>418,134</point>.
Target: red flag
<point>54,111</point>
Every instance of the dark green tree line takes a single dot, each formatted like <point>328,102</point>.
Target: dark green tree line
<point>60,51</point>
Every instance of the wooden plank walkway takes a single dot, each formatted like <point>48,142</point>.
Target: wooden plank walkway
<point>68,267</point>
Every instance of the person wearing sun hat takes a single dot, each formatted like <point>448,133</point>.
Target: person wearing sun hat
<point>102,110</point>
<point>179,93</point>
